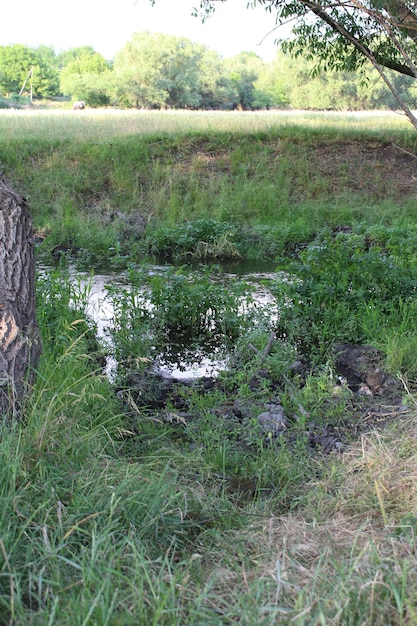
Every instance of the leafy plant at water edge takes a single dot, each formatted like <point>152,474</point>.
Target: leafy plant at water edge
<point>178,306</point>
<point>201,239</point>
<point>61,305</point>
<point>198,304</point>
<point>336,285</point>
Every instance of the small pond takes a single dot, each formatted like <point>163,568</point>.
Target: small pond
<point>181,363</point>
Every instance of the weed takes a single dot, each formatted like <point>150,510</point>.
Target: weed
<point>202,521</point>
<point>337,287</point>
<point>176,306</point>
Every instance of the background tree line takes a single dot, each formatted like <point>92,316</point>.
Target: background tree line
<point>156,70</point>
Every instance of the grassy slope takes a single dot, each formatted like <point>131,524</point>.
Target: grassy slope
<point>275,181</point>
<point>101,528</point>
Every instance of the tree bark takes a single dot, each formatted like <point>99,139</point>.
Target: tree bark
<point>20,342</point>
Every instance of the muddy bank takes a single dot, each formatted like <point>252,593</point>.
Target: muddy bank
<point>361,395</point>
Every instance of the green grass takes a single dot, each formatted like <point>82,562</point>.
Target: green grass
<point>113,515</point>
<point>258,175</point>
<point>105,125</point>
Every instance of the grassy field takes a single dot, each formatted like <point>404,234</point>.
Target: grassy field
<point>109,187</point>
<point>105,124</point>
<point>112,514</point>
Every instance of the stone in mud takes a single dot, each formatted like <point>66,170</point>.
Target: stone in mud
<point>273,421</point>
<point>151,389</point>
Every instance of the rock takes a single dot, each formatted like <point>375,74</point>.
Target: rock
<point>299,367</point>
<point>273,421</point>
<point>242,410</point>
<point>257,378</point>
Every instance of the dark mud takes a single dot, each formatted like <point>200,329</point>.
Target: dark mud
<point>363,397</point>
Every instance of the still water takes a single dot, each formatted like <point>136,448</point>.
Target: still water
<point>100,309</point>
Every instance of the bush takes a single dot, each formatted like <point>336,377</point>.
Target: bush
<point>201,239</point>
<point>335,286</point>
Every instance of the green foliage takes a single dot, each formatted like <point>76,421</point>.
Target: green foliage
<point>199,194</point>
<point>337,39</point>
<point>158,70</point>
<point>334,288</point>
<point>61,306</point>
<point>217,90</point>
<point>86,75</point>
<point>196,306</point>
<point>109,514</point>
<point>296,82</point>
<point>272,86</point>
<point>179,306</point>
<point>203,238</point>
<point>244,70</point>
<point>155,70</point>
<point>17,61</point>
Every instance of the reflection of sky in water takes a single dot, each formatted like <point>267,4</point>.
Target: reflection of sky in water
<point>100,309</point>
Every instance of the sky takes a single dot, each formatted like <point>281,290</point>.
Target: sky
<point>108,25</point>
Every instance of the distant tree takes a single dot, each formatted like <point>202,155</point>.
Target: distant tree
<point>181,64</point>
<point>17,61</point>
<point>85,75</point>
<point>344,35</point>
<point>94,89</point>
<point>244,70</point>
<point>47,55</point>
<point>306,88</point>
<point>271,89</point>
<point>137,69</point>
<point>159,70</point>
<point>73,54</point>
<point>46,73</point>
<point>84,60</point>
<point>217,90</point>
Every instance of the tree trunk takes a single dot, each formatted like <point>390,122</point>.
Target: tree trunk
<point>20,343</point>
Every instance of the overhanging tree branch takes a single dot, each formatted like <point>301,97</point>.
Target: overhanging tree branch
<point>363,49</point>
<point>320,12</point>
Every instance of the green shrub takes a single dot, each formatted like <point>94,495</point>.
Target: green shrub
<point>204,238</point>
<point>333,288</point>
<point>198,309</point>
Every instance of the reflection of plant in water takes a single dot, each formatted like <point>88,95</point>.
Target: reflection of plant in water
<point>195,309</point>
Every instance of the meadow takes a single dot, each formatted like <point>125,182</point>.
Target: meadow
<point>105,124</point>
<point>117,513</point>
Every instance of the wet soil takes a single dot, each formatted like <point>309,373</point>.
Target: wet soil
<point>364,397</point>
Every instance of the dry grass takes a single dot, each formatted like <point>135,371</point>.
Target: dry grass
<point>94,125</point>
<point>349,557</point>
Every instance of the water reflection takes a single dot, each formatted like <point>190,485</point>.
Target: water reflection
<point>181,362</point>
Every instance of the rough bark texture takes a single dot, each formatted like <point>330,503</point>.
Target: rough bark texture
<point>20,343</point>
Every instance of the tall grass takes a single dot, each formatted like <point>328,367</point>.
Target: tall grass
<point>278,177</point>
<point>110,513</point>
<point>105,125</point>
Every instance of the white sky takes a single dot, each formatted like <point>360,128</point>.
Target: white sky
<point>107,25</point>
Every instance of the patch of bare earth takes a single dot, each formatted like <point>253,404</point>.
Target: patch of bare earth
<point>373,169</point>
<point>381,170</point>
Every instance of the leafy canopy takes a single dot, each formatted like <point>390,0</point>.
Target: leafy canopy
<point>342,34</point>
<point>18,62</point>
